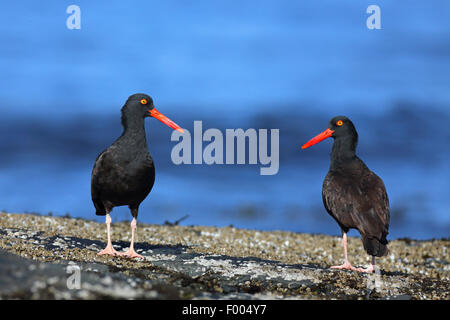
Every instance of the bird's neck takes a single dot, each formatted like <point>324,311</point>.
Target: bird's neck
<point>134,131</point>
<point>343,151</point>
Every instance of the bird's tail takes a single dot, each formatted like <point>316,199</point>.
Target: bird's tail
<point>375,247</point>
<point>100,209</point>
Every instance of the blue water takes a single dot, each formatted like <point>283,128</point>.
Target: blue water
<point>290,65</point>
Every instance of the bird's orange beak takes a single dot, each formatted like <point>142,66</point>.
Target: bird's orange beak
<point>321,136</point>
<point>158,115</point>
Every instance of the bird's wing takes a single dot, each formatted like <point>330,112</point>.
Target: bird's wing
<point>95,190</point>
<point>362,205</point>
<point>376,207</point>
<point>99,166</point>
<point>115,174</point>
<point>337,200</point>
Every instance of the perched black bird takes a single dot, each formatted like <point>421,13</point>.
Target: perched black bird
<point>352,194</point>
<point>124,173</point>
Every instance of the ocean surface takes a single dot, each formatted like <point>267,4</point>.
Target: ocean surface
<point>287,65</point>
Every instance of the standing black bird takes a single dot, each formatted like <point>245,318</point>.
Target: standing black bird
<point>352,194</point>
<point>124,173</point>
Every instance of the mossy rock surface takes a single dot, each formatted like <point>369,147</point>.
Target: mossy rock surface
<point>38,255</point>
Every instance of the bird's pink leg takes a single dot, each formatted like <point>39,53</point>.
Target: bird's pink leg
<point>131,253</point>
<point>370,269</point>
<point>346,265</point>
<point>109,248</point>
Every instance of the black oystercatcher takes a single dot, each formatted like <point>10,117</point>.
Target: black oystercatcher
<point>124,173</point>
<point>352,194</point>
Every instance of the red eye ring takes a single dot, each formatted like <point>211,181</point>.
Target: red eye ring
<point>144,101</point>
<point>339,123</point>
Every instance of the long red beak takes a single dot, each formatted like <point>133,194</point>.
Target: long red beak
<point>158,115</point>
<point>321,136</point>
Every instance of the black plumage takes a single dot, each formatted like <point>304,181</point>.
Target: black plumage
<point>356,198</point>
<point>124,173</point>
<point>352,194</point>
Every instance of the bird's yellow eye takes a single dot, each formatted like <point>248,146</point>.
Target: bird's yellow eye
<point>144,101</point>
<point>339,123</point>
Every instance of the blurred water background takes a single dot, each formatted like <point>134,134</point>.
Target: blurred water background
<point>290,65</point>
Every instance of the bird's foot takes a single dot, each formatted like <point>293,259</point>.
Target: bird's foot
<point>109,250</point>
<point>345,266</point>
<point>369,269</point>
<point>131,254</point>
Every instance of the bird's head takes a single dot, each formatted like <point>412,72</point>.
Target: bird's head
<point>338,127</point>
<point>141,105</point>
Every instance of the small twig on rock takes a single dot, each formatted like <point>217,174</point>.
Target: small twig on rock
<point>168,223</point>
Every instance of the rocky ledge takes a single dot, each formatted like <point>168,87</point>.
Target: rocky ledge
<point>43,257</point>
